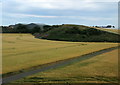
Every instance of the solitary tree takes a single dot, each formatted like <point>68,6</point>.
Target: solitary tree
<point>113,26</point>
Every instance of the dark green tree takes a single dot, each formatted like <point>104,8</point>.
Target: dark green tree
<point>36,29</point>
<point>22,28</point>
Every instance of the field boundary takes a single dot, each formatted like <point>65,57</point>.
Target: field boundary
<point>12,76</point>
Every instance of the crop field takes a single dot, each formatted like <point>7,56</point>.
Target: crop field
<point>22,51</point>
<point>99,69</point>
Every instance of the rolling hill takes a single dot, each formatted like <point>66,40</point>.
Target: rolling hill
<point>79,33</point>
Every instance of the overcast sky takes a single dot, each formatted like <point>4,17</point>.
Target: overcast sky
<point>85,12</point>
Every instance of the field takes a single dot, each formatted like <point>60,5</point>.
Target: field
<point>110,30</point>
<point>99,69</point>
<point>23,51</point>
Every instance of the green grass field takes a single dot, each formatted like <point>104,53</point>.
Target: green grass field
<point>99,69</point>
<point>22,51</point>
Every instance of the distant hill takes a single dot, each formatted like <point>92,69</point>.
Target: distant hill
<point>79,33</point>
<point>28,26</point>
<point>65,32</point>
<point>23,28</point>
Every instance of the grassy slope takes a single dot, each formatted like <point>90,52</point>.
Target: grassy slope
<point>81,33</point>
<point>110,30</point>
<point>21,51</point>
<point>99,69</point>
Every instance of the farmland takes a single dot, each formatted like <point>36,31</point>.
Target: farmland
<point>99,69</point>
<point>22,51</point>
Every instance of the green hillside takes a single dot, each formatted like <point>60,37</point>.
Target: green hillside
<point>79,33</point>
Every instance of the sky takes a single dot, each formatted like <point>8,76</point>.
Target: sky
<point>83,12</point>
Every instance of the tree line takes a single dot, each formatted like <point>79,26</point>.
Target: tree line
<point>21,28</point>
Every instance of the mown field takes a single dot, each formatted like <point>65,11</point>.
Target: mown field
<point>99,69</point>
<point>22,51</point>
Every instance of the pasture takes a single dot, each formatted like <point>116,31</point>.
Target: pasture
<point>110,30</point>
<point>99,69</point>
<point>23,51</point>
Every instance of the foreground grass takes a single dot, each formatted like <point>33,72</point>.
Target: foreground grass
<point>22,51</point>
<point>99,69</point>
